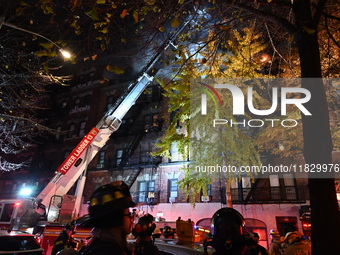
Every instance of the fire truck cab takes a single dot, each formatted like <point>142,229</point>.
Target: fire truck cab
<point>17,214</point>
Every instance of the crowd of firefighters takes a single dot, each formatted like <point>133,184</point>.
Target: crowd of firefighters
<point>111,221</point>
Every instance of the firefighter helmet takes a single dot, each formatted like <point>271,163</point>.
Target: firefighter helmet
<point>228,234</point>
<point>69,226</point>
<point>157,233</point>
<point>109,199</point>
<point>144,227</point>
<point>292,237</point>
<point>274,232</point>
<point>228,225</point>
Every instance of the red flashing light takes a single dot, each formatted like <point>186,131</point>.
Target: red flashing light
<point>38,239</point>
<point>17,204</point>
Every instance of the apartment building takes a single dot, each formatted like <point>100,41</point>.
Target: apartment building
<point>277,201</point>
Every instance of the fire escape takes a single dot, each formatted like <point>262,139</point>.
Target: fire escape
<point>132,161</point>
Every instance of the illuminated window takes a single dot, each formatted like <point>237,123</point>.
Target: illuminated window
<point>174,152</point>
<point>101,160</point>
<point>119,156</point>
<point>274,180</point>
<point>145,188</point>
<point>142,192</point>
<point>173,189</point>
<point>151,122</point>
<point>209,190</point>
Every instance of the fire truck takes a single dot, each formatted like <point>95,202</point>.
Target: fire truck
<point>46,214</point>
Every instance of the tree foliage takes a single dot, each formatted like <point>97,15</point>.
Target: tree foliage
<point>23,80</point>
<point>208,145</point>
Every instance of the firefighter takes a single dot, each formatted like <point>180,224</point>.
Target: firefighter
<point>156,234</point>
<point>296,244</point>
<point>256,248</point>
<point>275,247</point>
<point>168,232</point>
<point>143,232</point>
<point>64,240</point>
<point>112,221</point>
<point>228,235</point>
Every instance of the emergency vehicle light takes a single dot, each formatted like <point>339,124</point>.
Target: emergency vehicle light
<point>25,192</point>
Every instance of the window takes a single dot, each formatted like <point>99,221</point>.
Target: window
<point>288,180</point>
<point>274,187</point>
<point>151,122</point>
<point>119,156</point>
<point>71,131</point>
<point>142,192</point>
<point>209,190</point>
<point>154,94</point>
<point>274,180</point>
<point>101,160</point>
<point>145,190</point>
<point>7,212</point>
<point>246,186</point>
<point>207,197</point>
<point>151,186</point>
<point>155,120</point>
<point>173,189</point>
<point>174,152</point>
<point>234,184</point>
<point>289,186</point>
<point>82,128</point>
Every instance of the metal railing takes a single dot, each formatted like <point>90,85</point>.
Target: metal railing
<point>263,195</point>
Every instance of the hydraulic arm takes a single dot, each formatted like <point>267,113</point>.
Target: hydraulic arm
<point>76,163</point>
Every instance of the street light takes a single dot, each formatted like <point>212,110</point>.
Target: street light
<point>65,53</point>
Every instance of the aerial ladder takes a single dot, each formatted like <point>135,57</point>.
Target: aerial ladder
<point>73,169</point>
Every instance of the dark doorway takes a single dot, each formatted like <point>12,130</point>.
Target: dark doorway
<point>286,224</point>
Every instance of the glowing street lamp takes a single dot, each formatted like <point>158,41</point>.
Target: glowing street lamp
<point>65,53</point>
